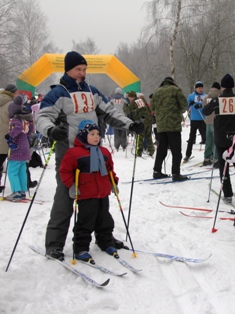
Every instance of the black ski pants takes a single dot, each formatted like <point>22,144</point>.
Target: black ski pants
<point>227,187</point>
<point>173,141</point>
<point>194,126</point>
<point>93,215</point>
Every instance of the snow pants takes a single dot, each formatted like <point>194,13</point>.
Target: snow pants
<point>227,187</point>
<point>93,215</point>
<point>17,175</point>
<point>173,141</point>
<point>120,138</point>
<point>194,126</point>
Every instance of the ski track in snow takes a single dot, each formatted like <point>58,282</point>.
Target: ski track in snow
<point>34,284</point>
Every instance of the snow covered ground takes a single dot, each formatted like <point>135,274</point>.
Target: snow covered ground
<point>34,284</point>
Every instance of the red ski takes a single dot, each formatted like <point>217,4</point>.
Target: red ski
<point>207,210</point>
<point>207,217</point>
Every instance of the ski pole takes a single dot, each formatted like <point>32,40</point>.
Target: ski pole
<point>31,203</point>
<point>120,206</point>
<point>132,182</point>
<point>221,188</point>
<point>75,208</point>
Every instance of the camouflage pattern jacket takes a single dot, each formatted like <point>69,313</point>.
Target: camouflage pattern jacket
<point>169,103</point>
<point>138,109</point>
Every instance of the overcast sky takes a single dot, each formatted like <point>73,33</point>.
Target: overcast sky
<point>107,22</point>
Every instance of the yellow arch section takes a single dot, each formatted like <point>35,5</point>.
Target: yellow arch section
<point>105,64</point>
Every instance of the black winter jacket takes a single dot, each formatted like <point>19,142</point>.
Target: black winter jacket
<point>223,124</point>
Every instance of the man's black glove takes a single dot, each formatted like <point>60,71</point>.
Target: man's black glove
<point>137,127</point>
<point>197,106</point>
<point>58,133</point>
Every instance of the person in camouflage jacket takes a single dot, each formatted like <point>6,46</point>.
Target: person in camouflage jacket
<point>138,110</point>
<point>169,103</point>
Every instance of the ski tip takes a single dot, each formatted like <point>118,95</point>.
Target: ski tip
<point>214,230</point>
<point>105,283</point>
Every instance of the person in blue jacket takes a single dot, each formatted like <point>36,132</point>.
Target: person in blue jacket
<point>197,118</point>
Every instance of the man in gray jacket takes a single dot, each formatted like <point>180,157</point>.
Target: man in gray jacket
<point>61,111</point>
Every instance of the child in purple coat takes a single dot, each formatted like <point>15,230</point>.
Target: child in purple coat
<point>20,127</point>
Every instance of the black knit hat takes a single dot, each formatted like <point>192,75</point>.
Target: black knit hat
<point>216,85</point>
<point>11,88</point>
<point>227,81</point>
<point>198,84</point>
<point>72,59</point>
<point>169,79</point>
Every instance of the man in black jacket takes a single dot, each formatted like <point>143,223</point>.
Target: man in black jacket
<point>224,124</point>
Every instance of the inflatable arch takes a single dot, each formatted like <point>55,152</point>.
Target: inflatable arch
<point>102,64</point>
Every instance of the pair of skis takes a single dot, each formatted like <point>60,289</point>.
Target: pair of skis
<point>123,262</point>
<point>88,279</point>
<point>202,209</point>
<point>25,200</point>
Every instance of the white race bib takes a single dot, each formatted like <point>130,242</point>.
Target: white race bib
<point>199,98</point>
<point>83,102</point>
<point>140,103</point>
<point>226,105</point>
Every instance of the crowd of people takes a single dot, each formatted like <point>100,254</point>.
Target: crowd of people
<point>73,114</point>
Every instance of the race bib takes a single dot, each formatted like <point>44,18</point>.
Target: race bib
<point>140,103</point>
<point>25,126</point>
<point>118,101</point>
<point>199,98</point>
<point>83,102</point>
<point>226,105</point>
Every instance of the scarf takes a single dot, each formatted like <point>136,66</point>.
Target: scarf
<point>97,160</point>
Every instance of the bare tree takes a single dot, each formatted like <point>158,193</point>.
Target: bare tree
<point>165,17</point>
<point>5,17</point>
<point>87,47</point>
<point>29,33</point>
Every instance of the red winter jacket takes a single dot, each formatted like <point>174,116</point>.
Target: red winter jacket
<point>90,185</point>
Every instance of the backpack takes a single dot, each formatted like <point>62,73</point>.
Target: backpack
<point>36,160</point>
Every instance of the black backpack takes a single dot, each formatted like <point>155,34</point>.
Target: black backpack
<point>36,160</point>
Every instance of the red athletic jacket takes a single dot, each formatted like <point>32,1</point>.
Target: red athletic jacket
<point>91,185</point>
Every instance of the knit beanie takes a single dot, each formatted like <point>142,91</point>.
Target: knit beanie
<point>227,81</point>
<point>198,84</point>
<point>85,126</point>
<point>118,90</point>
<point>169,79</point>
<point>11,88</point>
<point>72,59</point>
<point>15,106</point>
<point>216,85</point>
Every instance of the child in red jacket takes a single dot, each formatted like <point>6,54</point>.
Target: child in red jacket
<point>95,163</point>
